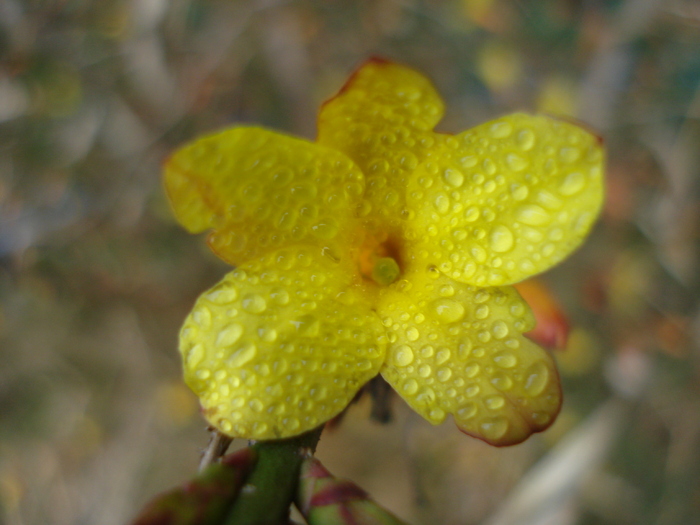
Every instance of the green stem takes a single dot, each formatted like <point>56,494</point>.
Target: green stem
<point>270,489</point>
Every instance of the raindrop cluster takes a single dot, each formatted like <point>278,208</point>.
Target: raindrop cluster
<point>259,191</point>
<point>456,349</point>
<point>507,199</point>
<point>252,342</point>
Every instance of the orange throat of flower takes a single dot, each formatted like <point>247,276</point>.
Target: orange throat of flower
<point>379,261</point>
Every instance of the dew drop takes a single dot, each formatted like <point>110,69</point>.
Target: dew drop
<point>442,203</point>
<point>502,382</point>
<point>471,370</point>
<point>427,351</point>
<point>494,428</point>
<point>471,214</point>
<point>453,177</point>
<point>444,374</point>
<point>482,312</point>
<point>448,310</point>
<point>501,239</point>
<point>549,200</point>
<point>243,355</point>
<point>410,387</point>
<point>443,356</point>
<point>403,355</point>
<point>412,334</point>
<point>532,215</point>
<point>536,379</point>
<point>505,360</point>
<point>426,396</point>
<point>499,329</point>
<point>424,371</point>
<point>326,229</point>
<point>222,295</point>
<point>437,415</point>
<point>202,316</point>
<point>194,356</point>
<point>569,155</point>
<point>256,405</point>
<point>229,335</point>
<point>203,373</point>
<point>307,326</point>
<point>526,139</point>
<point>494,402</point>
<point>472,390</point>
<point>572,184</point>
<point>447,290</point>
<point>519,192</point>
<point>468,411</point>
<point>501,130</point>
<point>254,303</point>
<point>516,162</point>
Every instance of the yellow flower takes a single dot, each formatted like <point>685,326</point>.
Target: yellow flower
<point>385,248</point>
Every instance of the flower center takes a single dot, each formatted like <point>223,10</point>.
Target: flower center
<point>379,262</point>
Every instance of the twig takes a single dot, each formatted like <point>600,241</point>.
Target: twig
<point>218,444</point>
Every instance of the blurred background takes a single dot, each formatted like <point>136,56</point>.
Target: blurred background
<point>96,277</point>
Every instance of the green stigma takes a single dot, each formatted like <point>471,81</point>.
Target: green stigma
<point>386,270</point>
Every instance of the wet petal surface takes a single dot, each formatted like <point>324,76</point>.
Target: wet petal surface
<point>455,349</point>
<point>259,190</point>
<point>280,345</point>
<point>382,119</point>
<point>506,200</point>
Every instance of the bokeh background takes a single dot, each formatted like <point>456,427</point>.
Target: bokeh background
<point>96,277</point>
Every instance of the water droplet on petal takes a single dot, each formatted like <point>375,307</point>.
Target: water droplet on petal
<point>482,312</point>
<point>572,183</point>
<point>536,379</point>
<point>444,374</point>
<point>412,334</point>
<point>443,356</point>
<point>442,203</point>
<point>242,355</point>
<point>254,303</point>
<point>229,335</point>
<point>519,192</point>
<point>471,370</point>
<point>202,316</point>
<point>427,351</point>
<point>403,355</point>
<point>194,356</point>
<point>494,402</point>
<point>468,411</point>
<point>532,215</point>
<point>453,177</point>
<point>502,382</point>
<point>501,239</point>
<point>494,428</point>
<point>526,139</point>
<point>410,387</point>
<point>505,360</point>
<point>499,329</point>
<point>501,130</point>
<point>516,162</point>
<point>447,310</point>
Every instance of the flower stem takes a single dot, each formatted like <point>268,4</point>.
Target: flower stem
<point>271,487</point>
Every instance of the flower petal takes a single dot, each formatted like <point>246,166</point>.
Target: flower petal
<point>382,119</point>
<point>459,350</point>
<point>261,190</point>
<point>280,345</point>
<point>506,200</point>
